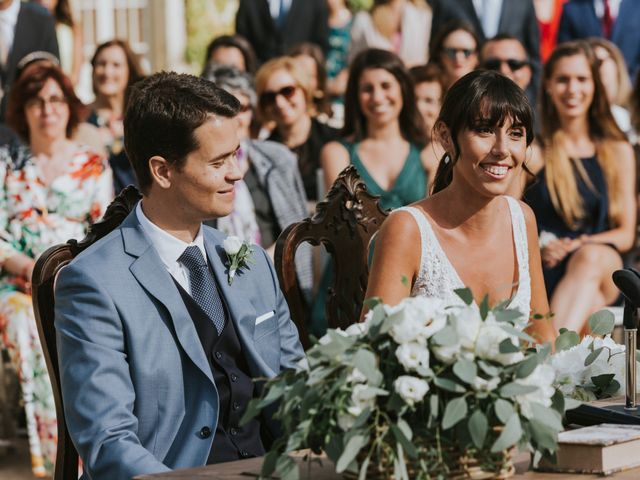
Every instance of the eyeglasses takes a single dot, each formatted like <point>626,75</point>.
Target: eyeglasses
<point>512,63</point>
<point>268,99</point>
<point>39,102</point>
<point>452,53</point>
<point>244,107</point>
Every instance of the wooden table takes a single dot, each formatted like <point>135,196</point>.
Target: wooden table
<point>247,469</point>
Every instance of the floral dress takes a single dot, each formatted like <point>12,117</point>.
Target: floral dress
<point>34,217</point>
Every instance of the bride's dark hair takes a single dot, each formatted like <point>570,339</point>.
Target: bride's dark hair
<point>481,97</point>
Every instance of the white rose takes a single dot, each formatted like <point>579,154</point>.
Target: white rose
<point>488,342</point>
<point>543,378</point>
<point>356,329</point>
<point>232,245</point>
<point>346,421</point>
<point>362,397</point>
<point>407,329</point>
<point>411,389</point>
<point>356,376</point>
<point>481,385</point>
<point>446,354</point>
<point>430,313</point>
<point>569,368</point>
<point>468,322</point>
<point>414,356</point>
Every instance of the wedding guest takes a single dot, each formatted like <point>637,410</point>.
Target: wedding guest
<point>340,22</point>
<point>584,193</point>
<point>468,233</point>
<point>507,55</point>
<point>311,60</point>
<point>429,90</point>
<point>615,79</point>
<point>270,195</point>
<point>285,97</point>
<point>69,35</point>
<point>400,26</point>
<point>51,189</point>
<point>455,50</point>
<point>232,50</point>
<point>548,13</point>
<point>115,69</point>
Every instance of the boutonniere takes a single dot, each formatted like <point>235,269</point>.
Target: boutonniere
<point>238,255</point>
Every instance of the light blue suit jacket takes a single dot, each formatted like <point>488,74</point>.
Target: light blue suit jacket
<point>136,383</point>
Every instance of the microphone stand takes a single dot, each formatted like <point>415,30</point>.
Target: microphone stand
<point>630,345</point>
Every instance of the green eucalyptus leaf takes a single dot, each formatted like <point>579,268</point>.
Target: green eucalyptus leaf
<point>526,366</point>
<point>507,315</point>
<point>602,322</point>
<point>334,447</point>
<point>593,356</point>
<point>509,436</point>
<point>547,416</point>
<point>518,333</point>
<point>465,294</point>
<point>603,381</point>
<point>448,385</point>
<point>571,403</point>
<point>504,410</point>
<point>404,441</point>
<point>507,346</point>
<point>363,468</point>
<point>366,362</point>
<point>372,302</point>
<point>433,405</point>
<point>465,370</point>
<point>484,307</point>
<point>489,369</point>
<point>287,468</point>
<point>512,389</point>
<point>567,340</point>
<point>544,437</point>
<point>478,428</point>
<point>455,411</point>
<point>351,450</point>
<point>269,464</point>
<point>446,337</point>
<point>405,428</point>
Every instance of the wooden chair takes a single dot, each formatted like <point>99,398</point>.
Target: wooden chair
<point>44,275</point>
<point>344,223</point>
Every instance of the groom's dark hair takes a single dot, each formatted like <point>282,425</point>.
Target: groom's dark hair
<point>162,113</point>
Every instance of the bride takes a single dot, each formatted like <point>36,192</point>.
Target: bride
<point>469,233</point>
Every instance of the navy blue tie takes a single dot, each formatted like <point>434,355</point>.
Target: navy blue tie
<point>203,286</point>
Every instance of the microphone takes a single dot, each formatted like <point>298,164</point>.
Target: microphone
<point>628,282</point>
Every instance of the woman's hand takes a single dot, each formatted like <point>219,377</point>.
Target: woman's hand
<point>21,267</point>
<point>556,250</point>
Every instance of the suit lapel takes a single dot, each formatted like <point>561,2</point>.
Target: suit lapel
<point>473,17</point>
<point>292,14</point>
<point>21,37</point>
<point>241,310</point>
<point>507,15</point>
<point>627,19</point>
<point>150,272</point>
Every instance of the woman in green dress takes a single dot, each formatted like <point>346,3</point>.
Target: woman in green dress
<point>383,134</point>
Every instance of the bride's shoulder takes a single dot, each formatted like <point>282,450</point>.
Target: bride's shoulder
<point>401,225</point>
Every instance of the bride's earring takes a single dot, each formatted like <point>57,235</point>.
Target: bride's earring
<point>446,158</point>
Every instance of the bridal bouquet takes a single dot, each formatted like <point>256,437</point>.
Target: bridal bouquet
<point>420,390</point>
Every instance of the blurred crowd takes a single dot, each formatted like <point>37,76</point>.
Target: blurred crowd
<point>324,84</point>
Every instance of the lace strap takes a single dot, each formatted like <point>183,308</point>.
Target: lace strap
<point>519,236</point>
<point>425,233</point>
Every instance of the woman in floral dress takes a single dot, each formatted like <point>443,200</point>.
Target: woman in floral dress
<point>50,192</point>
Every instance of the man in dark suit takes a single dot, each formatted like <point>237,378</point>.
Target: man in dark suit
<point>274,26</point>
<point>616,20</point>
<point>516,18</point>
<point>24,28</point>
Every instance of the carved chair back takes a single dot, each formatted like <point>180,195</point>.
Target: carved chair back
<point>344,223</point>
<point>44,275</point>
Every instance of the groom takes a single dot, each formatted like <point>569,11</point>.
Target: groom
<point>157,349</point>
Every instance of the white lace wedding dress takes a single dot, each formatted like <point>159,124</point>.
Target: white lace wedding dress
<point>438,278</point>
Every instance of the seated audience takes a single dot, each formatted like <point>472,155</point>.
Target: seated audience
<point>115,69</point>
<point>51,189</point>
<point>159,344</point>
<point>584,191</point>
<point>400,26</point>
<point>429,90</point>
<point>234,51</point>
<point>615,79</point>
<point>270,195</point>
<point>455,51</point>
<point>285,97</point>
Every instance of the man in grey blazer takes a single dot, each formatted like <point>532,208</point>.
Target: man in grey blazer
<point>157,347</point>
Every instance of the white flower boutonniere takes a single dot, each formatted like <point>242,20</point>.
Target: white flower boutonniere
<point>238,255</point>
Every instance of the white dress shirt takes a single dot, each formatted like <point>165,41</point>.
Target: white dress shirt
<point>8,20</point>
<point>274,7</point>
<point>614,8</point>
<point>170,248</point>
<point>489,12</point>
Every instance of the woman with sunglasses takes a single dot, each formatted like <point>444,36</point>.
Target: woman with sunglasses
<point>584,193</point>
<point>455,50</point>
<point>50,191</point>
<point>285,97</point>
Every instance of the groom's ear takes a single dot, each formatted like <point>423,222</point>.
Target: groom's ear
<point>160,171</point>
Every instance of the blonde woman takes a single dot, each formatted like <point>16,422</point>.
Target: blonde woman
<point>285,97</point>
<point>583,196</point>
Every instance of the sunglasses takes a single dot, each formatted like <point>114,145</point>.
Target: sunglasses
<point>512,63</point>
<point>452,53</point>
<point>268,99</point>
